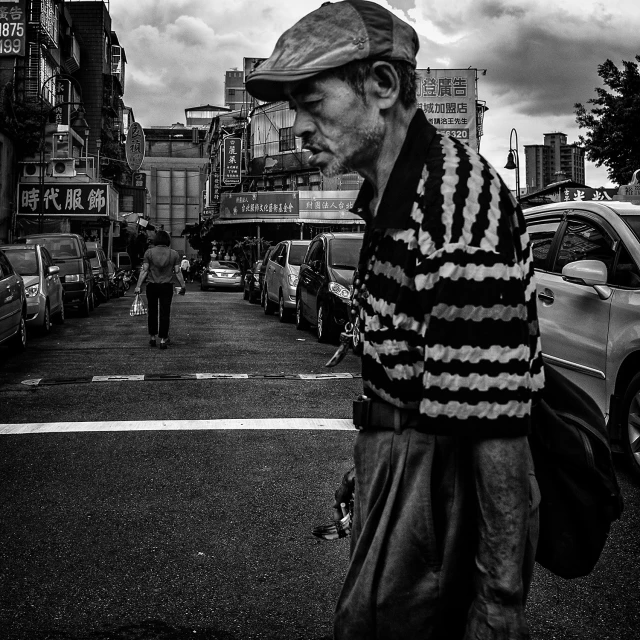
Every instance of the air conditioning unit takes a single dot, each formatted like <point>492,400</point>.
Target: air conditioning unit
<point>62,167</point>
<point>31,169</point>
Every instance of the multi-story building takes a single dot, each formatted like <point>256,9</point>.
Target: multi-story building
<point>235,95</point>
<point>66,109</point>
<point>553,161</point>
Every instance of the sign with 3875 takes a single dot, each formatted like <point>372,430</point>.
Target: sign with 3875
<point>12,27</point>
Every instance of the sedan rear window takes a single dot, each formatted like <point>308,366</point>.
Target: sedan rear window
<point>24,261</point>
<point>297,253</point>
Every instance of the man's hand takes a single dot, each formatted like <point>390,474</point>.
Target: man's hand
<point>182,291</point>
<point>136,290</point>
<point>344,494</point>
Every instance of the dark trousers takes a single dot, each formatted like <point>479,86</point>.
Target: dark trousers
<point>159,297</point>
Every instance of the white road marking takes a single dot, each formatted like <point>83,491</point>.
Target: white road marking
<point>292,424</point>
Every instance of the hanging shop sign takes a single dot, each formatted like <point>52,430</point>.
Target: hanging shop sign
<point>231,160</point>
<point>72,199</point>
<point>262,205</point>
<point>318,206</point>
<point>134,146</point>
<point>13,29</point>
<point>448,98</point>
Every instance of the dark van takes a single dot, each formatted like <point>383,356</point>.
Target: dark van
<point>323,295</point>
<point>70,253</point>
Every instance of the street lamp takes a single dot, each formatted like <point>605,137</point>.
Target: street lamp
<point>511,164</point>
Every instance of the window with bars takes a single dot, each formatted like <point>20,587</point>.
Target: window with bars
<point>286,139</point>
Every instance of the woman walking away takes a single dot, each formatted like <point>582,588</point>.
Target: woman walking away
<point>160,263</point>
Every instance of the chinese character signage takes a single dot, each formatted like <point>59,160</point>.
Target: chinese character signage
<point>448,99</point>
<point>71,199</point>
<point>231,160</point>
<point>328,205</point>
<point>587,193</point>
<point>63,95</point>
<point>12,27</point>
<point>263,205</point>
<point>134,146</point>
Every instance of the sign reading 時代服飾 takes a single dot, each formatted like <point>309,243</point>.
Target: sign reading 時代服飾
<point>70,199</point>
<point>448,99</point>
<point>134,146</point>
<point>13,28</point>
<point>261,205</point>
<point>231,160</point>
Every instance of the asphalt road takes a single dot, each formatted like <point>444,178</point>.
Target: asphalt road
<point>205,534</point>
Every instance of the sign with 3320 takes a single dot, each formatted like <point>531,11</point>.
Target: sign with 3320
<point>12,27</point>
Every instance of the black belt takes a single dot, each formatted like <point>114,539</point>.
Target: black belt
<point>371,414</point>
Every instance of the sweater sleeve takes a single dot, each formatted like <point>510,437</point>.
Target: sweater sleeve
<point>476,376</point>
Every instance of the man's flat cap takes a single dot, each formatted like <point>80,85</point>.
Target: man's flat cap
<point>329,37</point>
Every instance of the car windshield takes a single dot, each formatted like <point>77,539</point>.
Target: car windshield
<point>297,253</point>
<point>345,252</point>
<point>24,261</point>
<point>223,264</point>
<point>59,248</point>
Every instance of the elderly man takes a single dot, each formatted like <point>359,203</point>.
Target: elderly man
<point>444,526</point>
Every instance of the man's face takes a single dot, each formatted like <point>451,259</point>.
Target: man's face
<point>343,132</point>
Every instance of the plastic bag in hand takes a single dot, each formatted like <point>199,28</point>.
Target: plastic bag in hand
<point>138,308</point>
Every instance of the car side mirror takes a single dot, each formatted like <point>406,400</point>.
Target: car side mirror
<point>52,270</point>
<point>91,254</point>
<point>589,273</point>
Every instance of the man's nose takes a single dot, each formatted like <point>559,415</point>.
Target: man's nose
<point>302,125</point>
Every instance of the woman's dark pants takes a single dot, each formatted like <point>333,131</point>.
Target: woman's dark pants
<point>159,296</point>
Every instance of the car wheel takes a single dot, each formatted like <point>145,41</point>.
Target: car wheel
<point>20,339</point>
<point>59,317</point>
<point>85,307</point>
<point>46,321</point>
<point>630,427</point>
<point>301,323</point>
<point>263,296</point>
<point>283,314</point>
<point>269,307</point>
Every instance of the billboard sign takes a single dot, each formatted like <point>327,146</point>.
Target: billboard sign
<point>135,146</point>
<point>328,205</point>
<point>448,98</point>
<point>70,199</point>
<point>259,205</point>
<point>231,160</point>
<point>582,194</point>
<point>13,27</point>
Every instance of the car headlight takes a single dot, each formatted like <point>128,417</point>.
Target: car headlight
<point>293,280</point>
<point>339,290</point>
<point>31,291</point>
<point>76,277</point>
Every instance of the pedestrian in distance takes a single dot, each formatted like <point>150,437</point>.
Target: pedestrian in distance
<point>184,267</point>
<point>160,265</point>
<point>445,510</point>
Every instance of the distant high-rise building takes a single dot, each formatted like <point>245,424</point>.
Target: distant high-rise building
<point>235,95</point>
<point>553,161</point>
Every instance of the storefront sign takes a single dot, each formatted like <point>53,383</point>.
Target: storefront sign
<point>76,199</point>
<point>328,205</point>
<point>134,146</point>
<point>62,114</point>
<point>587,193</point>
<point>448,99</point>
<point>263,205</point>
<point>231,160</point>
<point>13,28</point>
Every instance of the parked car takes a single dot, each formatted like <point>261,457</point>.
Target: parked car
<point>13,306</point>
<point>323,295</point>
<point>122,260</point>
<point>251,282</point>
<point>74,259</point>
<point>263,271</point>
<point>100,272</point>
<point>281,277</point>
<point>43,288</point>
<point>587,269</point>
<point>221,274</point>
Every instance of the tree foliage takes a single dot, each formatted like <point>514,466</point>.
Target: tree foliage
<point>613,124</point>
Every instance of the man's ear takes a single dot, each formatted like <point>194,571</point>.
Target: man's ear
<point>384,84</point>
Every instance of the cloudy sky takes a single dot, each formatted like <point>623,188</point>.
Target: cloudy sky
<point>541,56</point>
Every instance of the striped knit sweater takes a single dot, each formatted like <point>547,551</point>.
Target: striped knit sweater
<point>445,297</point>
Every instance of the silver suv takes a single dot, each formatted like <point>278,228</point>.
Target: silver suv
<point>281,277</point>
